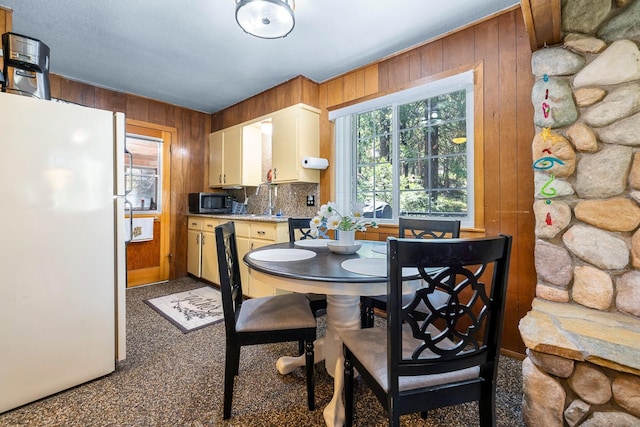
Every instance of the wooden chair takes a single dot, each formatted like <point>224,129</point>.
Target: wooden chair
<point>299,229</point>
<point>265,320</point>
<point>451,356</point>
<point>418,228</point>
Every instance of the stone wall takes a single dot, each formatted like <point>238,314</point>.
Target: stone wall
<point>583,333</point>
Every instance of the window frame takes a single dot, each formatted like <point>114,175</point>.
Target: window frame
<point>345,157</point>
<point>130,174</point>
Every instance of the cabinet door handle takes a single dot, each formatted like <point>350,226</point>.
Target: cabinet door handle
<point>220,178</point>
<point>224,178</point>
<point>251,248</point>
<point>202,238</point>
<point>275,173</point>
<point>197,239</point>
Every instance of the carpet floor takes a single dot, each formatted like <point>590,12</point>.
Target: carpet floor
<point>175,379</point>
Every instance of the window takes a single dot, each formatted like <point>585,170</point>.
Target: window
<point>142,175</point>
<point>409,153</point>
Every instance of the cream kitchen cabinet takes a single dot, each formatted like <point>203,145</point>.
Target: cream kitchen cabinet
<point>295,135</point>
<point>255,234</point>
<point>243,245</point>
<point>202,258</point>
<point>194,248</point>
<point>236,153</point>
<point>233,159</point>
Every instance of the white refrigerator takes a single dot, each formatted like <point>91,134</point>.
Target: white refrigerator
<point>62,250</point>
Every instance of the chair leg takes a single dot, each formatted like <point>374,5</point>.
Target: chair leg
<point>231,366</point>
<point>394,418</point>
<point>348,389</point>
<point>300,347</point>
<point>311,401</point>
<point>487,409</point>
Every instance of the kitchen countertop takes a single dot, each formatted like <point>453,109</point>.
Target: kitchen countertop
<point>245,217</point>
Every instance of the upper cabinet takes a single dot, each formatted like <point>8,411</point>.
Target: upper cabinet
<point>295,135</point>
<point>232,159</point>
<point>241,155</point>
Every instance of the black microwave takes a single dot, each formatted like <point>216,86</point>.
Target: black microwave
<point>210,203</point>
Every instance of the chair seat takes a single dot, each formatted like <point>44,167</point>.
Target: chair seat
<point>281,312</point>
<point>369,346</point>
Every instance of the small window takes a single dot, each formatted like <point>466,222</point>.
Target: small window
<point>142,172</point>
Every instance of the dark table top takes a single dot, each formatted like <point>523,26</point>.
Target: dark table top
<point>324,267</point>
<point>324,273</point>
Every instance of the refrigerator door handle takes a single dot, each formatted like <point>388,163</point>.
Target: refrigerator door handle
<point>129,172</point>
<point>129,210</point>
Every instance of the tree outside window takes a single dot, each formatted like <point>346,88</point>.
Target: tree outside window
<point>431,157</point>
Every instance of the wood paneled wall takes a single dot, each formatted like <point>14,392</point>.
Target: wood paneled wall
<point>6,18</point>
<point>501,45</point>
<point>187,153</point>
<point>297,90</point>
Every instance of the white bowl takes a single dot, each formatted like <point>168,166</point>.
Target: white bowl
<point>337,248</point>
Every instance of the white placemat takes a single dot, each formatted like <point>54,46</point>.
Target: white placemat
<point>381,249</point>
<point>282,255</point>
<point>313,243</point>
<point>366,266</point>
<point>372,267</point>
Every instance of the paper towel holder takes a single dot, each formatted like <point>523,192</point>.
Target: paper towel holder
<point>315,163</point>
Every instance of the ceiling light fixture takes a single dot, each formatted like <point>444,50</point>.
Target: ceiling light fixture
<point>267,19</point>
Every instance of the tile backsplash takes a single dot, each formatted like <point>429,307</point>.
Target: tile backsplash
<point>291,199</point>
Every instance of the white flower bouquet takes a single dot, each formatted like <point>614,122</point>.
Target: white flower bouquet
<point>329,217</point>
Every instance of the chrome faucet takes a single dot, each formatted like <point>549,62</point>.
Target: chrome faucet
<point>270,206</point>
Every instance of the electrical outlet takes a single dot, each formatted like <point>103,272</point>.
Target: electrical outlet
<point>311,200</point>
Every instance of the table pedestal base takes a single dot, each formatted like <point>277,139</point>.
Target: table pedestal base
<point>343,313</point>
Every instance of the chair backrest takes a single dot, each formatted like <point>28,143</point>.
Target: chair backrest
<point>229,268</point>
<point>469,323</point>
<point>302,227</point>
<point>424,228</point>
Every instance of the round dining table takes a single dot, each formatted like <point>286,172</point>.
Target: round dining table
<point>310,266</point>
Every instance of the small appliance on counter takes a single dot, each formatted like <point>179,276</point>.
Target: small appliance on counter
<point>26,66</point>
<point>210,203</point>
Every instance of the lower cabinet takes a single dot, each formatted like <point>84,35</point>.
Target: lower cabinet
<point>202,258</point>
<point>194,250</point>
<point>251,235</point>
<point>243,245</point>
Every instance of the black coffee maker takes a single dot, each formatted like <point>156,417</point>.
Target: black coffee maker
<point>26,66</point>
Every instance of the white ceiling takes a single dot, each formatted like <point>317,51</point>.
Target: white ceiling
<point>192,53</point>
